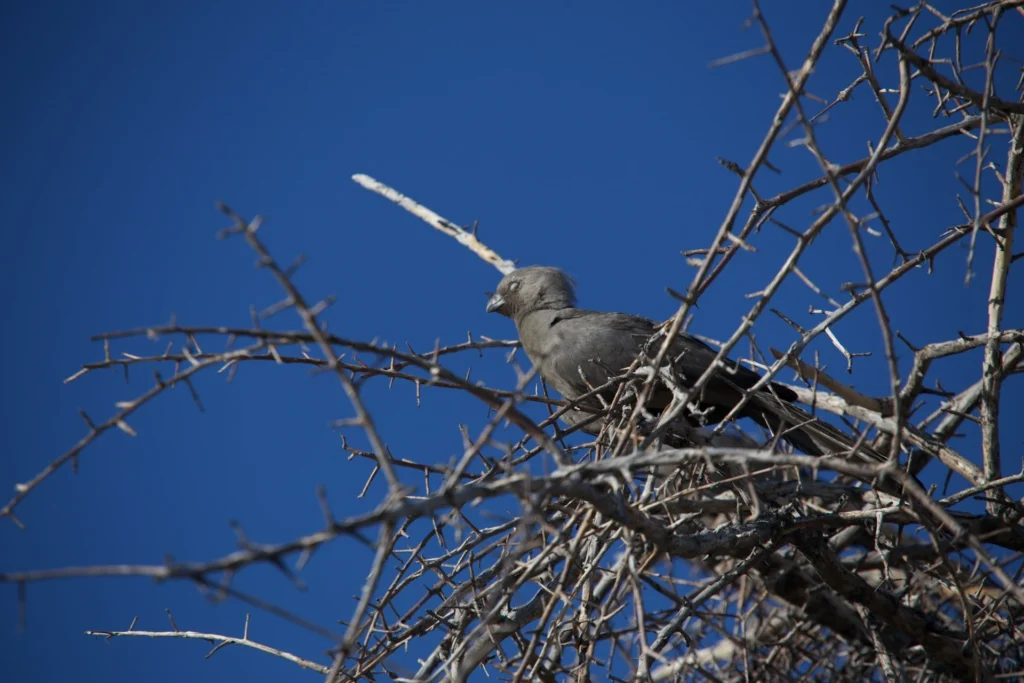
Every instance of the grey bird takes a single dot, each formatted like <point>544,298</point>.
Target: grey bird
<point>576,350</point>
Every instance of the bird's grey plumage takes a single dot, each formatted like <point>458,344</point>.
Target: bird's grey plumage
<point>576,350</point>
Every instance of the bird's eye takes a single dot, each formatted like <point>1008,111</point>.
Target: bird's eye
<point>514,285</point>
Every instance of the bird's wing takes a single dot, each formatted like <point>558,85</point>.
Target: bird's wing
<point>689,355</point>
<point>591,347</point>
<point>603,345</point>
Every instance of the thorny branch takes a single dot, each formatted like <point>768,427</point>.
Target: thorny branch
<point>730,559</point>
<point>218,641</point>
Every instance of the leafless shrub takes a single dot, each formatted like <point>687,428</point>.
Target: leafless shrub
<point>630,560</point>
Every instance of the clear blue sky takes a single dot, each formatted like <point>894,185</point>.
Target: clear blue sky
<point>582,135</point>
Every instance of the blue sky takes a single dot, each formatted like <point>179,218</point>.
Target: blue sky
<point>583,135</point>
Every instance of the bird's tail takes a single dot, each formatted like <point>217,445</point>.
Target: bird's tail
<point>806,432</point>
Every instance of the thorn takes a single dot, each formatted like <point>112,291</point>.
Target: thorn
<point>171,617</point>
<point>75,376</point>
<point>85,418</point>
<point>123,426</point>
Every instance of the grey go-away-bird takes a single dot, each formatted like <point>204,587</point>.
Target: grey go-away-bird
<point>576,350</point>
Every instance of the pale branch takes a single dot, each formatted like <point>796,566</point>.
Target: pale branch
<point>924,356</point>
<point>464,237</point>
<point>217,640</point>
<point>992,378</point>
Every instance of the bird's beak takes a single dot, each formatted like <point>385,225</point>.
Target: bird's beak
<point>495,303</point>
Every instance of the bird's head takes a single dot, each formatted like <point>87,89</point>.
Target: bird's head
<point>531,289</point>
